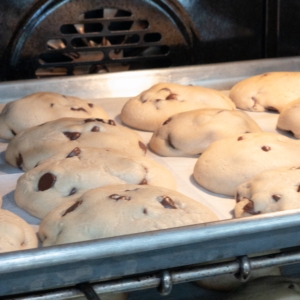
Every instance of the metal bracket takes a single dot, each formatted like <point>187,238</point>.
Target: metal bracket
<point>245,269</point>
<point>88,291</point>
<point>166,283</point>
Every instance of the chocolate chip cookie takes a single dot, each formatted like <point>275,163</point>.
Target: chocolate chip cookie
<point>266,92</point>
<point>229,162</point>
<point>270,191</point>
<point>54,182</point>
<point>15,233</point>
<point>39,108</point>
<point>61,138</point>
<point>190,133</point>
<point>151,108</point>
<point>118,210</point>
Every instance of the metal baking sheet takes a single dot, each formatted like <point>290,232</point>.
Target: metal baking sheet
<point>65,265</point>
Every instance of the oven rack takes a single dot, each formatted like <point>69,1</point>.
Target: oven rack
<point>163,281</point>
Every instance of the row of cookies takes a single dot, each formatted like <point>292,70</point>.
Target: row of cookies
<point>69,160</point>
<point>232,146</point>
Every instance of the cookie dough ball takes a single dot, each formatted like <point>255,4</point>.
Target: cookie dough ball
<point>152,107</point>
<point>119,210</point>
<point>229,162</point>
<point>269,287</point>
<point>45,187</point>
<point>270,191</point>
<point>15,233</point>
<point>190,133</point>
<point>39,108</point>
<point>266,92</point>
<point>61,138</point>
<point>289,118</point>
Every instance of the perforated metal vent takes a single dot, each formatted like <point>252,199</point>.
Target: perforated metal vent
<point>84,36</point>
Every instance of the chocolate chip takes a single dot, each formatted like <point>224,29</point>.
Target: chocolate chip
<point>72,135</point>
<point>167,202</point>
<point>170,142</point>
<point>119,197</point>
<point>271,108</point>
<point>266,148</point>
<point>100,120</point>
<point>172,97</point>
<point>276,197</point>
<point>240,138</point>
<point>143,182</point>
<point>249,208</point>
<point>143,146</point>
<point>167,121</point>
<point>145,211</point>
<point>298,190</point>
<point>13,132</point>
<point>78,109</point>
<point>95,129</point>
<point>237,198</point>
<point>19,161</point>
<point>73,191</point>
<point>90,105</point>
<point>75,152</point>
<point>89,120</point>
<point>52,104</point>
<point>72,207</point>
<point>109,122</point>
<point>46,182</point>
<point>291,286</point>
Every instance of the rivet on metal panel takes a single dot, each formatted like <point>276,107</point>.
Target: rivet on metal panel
<point>245,269</point>
<point>166,284</point>
<point>88,291</point>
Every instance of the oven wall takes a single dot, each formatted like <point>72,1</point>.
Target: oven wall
<point>229,30</point>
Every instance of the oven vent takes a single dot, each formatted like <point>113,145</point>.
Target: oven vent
<point>106,45</point>
<point>107,38</point>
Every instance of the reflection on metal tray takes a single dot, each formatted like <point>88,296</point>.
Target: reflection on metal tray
<point>91,261</point>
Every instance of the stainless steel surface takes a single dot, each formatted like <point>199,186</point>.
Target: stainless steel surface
<point>127,84</point>
<point>163,281</point>
<point>60,266</point>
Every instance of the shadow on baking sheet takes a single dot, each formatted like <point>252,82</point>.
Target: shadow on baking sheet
<point>286,133</point>
<point>211,194</point>
<point>5,168</point>
<point>10,204</point>
<point>194,183</point>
